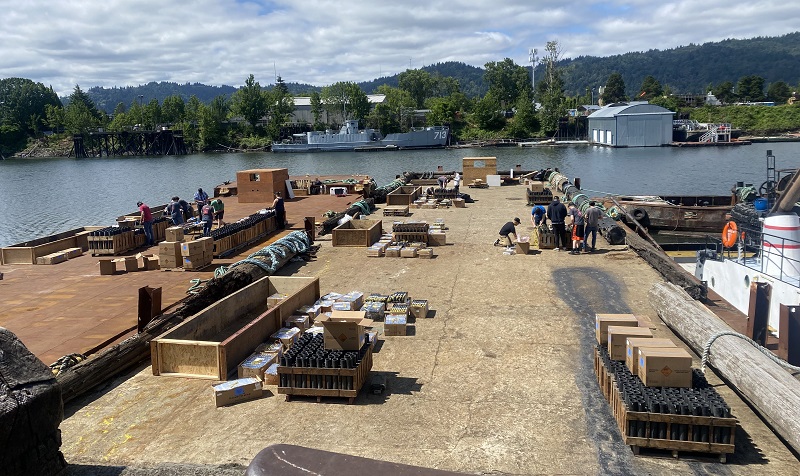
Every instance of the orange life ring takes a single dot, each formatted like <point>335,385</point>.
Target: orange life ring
<point>729,234</point>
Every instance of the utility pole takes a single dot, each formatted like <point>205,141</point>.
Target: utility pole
<point>533,59</point>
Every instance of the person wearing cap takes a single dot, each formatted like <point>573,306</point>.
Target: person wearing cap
<point>146,217</point>
<point>508,230</point>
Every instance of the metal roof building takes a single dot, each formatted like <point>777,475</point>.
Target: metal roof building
<point>631,124</point>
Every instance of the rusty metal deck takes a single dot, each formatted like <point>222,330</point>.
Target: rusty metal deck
<point>69,308</point>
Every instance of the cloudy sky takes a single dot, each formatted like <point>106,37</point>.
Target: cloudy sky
<point>121,43</point>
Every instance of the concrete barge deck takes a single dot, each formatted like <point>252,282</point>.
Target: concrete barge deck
<point>499,381</point>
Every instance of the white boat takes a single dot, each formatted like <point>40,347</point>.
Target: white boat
<point>770,254</point>
<point>349,138</point>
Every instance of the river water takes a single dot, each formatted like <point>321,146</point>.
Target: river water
<point>39,197</point>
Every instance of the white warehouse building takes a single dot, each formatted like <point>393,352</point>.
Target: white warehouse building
<point>631,124</point>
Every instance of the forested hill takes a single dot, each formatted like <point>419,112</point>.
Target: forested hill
<point>686,69</point>
<point>690,69</point>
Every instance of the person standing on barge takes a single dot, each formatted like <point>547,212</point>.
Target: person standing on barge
<point>146,218</point>
<point>280,211</point>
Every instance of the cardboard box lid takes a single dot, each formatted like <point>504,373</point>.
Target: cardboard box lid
<point>233,384</point>
<point>663,352</point>
<point>629,330</point>
<point>345,317</point>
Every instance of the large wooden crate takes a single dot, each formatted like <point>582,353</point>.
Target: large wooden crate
<point>304,379</point>
<point>403,195</point>
<point>214,341</point>
<point>357,233</point>
<point>478,168</point>
<point>27,252</point>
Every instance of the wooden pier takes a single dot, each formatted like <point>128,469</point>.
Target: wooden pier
<point>128,143</point>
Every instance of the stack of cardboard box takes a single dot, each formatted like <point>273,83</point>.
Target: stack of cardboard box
<point>198,253</point>
<point>169,250</point>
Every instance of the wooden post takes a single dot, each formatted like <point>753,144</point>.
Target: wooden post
<point>758,312</point>
<point>311,228</point>
<point>789,334</point>
<point>769,387</point>
<point>149,306</point>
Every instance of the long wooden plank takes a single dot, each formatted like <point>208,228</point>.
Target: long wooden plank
<point>773,391</point>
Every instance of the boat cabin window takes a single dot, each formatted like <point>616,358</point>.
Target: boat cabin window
<point>255,177</point>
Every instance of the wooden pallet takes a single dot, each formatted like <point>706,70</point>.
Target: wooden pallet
<point>306,375</point>
<point>724,428</point>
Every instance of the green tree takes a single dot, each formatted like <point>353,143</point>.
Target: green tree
<point>172,109</point>
<point>388,115</point>
<point>54,117</point>
<point>750,88</point>
<point>418,83</point>
<point>525,121</point>
<point>650,89</point>
<point>193,110</point>
<point>448,110</point>
<point>250,102</point>
<point>507,80</point>
<point>724,92</point>
<point>345,100</point>
<point>444,86</point>
<point>23,104</point>
<point>211,133</point>
<point>79,96</point>
<point>317,110</point>
<point>487,113</point>
<point>779,92</point>
<point>152,114</point>
<point>614,90</point>
<point>281,107</point>
<point>81,115</point>
<point>551,90</point>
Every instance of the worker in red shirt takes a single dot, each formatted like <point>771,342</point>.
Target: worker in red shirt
<point>147,222</point>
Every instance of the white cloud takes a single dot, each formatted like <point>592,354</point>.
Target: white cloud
<point>119,43</point>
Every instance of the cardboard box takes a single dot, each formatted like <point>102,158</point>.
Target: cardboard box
<point>208,244</point>
<point>131,264</point>
<point>408,252</point>
<point>107,266</point>
<point>256,364</point>
<point>298,320</point>
<point>174,233</point>
<point>617,336</point>
<point>271,375</point>
<point>276,299</point>
<point>326,305</point>
<point>169,248</point>
<point>344,330</point>
<point>663,367</point>
<point>632,345</point>
<point>437,238</point>
<point>193,248</point>
<point>355,298</point>
<point>373,310</point>
<point>419,308</point>
<point>459,203</point>
<point>602,321</point>
<point>196,262</point>
<point>372,338</point>
<point>287,336</point>
<point>537,187</point>
<point>52,258</point>
<point>393,251</point>
<point>311,311</point>
<point>73,252</point>
<point>235,391</point>
<point>151,263</point>
<point>425,253</point>
<point>343,306</point>
<point>522,248</point>
<point>168,262</point>
<point>395,325</point>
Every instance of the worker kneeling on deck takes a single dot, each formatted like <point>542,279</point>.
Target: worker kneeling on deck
<point>506,233</point>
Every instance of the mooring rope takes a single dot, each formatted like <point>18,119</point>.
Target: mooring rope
<point>297,242</point>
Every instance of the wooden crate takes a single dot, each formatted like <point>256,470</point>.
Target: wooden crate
<point>357,233</point>
<point>478,168</point>
<point>627,420</point>
<point>302,379</point>
<point>403,195</point>
<point>214,341</point>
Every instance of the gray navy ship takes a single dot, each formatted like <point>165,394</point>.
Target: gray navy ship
<point>349,138</point>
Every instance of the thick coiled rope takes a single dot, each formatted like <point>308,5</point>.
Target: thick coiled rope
<point>765,351</point>
<point>296,242</point>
